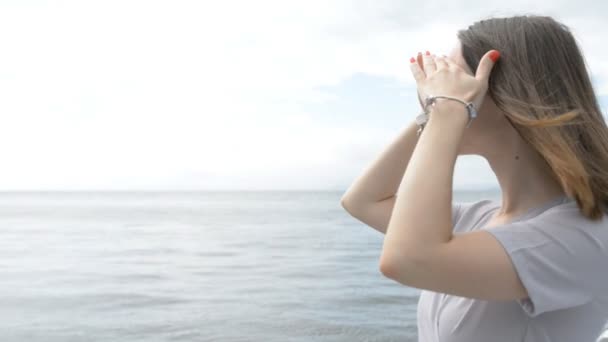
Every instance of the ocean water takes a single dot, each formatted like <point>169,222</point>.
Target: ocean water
<point>195,266</point>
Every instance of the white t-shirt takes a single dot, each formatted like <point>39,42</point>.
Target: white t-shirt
<point>561,258</point>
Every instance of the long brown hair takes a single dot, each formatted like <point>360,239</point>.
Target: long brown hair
<point>542,85</point>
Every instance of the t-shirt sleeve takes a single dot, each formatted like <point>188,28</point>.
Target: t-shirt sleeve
<point>457,209</point>
<point>560,263</point>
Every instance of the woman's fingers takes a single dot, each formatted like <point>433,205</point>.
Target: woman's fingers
<point>417,71</point>
<point>419,60</point>
<point>429,63</point>
<point>423,65</point>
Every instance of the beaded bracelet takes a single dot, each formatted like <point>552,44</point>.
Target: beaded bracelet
<point>423,117</point>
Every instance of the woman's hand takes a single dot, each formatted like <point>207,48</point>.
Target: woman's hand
<point>442,76</point>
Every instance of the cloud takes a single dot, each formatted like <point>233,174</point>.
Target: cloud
<point>155,94</point>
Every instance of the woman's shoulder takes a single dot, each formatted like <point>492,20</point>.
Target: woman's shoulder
<point>568,215</point>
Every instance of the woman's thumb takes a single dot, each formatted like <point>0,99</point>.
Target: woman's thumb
<point>486,64</point>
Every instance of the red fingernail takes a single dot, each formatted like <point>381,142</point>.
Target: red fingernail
<point>428,53</point>
<point>494,55</point>
<point>412,60</point>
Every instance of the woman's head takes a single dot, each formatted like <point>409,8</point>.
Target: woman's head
<point>540,87</point>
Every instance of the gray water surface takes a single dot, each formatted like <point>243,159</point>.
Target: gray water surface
<point>208,266</point>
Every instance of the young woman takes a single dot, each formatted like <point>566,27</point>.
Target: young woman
<point>535,266</point>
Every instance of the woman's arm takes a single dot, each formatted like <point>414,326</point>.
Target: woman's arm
<point>371,197</point>
<point>420,249</point>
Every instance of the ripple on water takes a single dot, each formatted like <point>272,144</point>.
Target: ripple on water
<point>223,253</point>
<point>113,301</point>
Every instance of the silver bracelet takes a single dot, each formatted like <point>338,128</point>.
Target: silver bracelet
<point>423,117</point>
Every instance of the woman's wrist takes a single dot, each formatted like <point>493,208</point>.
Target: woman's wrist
<point>450,111</point>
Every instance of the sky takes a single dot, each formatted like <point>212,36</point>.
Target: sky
<point>229,95</point>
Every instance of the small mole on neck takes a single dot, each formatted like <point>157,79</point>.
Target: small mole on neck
<point>516,157</point>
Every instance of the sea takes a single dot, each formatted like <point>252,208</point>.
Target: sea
<point>196,266</point>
